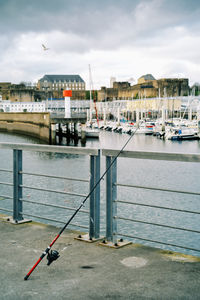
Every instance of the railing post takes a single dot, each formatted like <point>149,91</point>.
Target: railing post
<point>17,189</point>
<point>94,221</point>
<point>111,195</point>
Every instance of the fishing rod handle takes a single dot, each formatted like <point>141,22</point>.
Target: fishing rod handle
<point>32,269</point>
<point>41,257</point>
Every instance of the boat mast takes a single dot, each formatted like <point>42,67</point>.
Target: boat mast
<point>91,104</point>
<point>90,84</point>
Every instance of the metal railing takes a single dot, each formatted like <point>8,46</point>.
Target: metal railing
<point>114,215</point>
<point>114,212</point>
<point>7,184</point>
<point>19,187</point>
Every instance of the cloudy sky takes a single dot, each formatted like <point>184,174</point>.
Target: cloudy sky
<point>120,38</point>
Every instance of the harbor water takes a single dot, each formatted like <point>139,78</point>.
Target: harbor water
<point>160,174</point>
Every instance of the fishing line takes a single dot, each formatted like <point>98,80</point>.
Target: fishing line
<point>53,254</point>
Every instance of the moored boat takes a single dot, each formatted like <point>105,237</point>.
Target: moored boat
<point>182,134</point>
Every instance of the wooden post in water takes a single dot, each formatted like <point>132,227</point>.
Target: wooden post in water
<point>75,134</point>
<point>68,134</point>
<point>53,134</point>
<point>83,134</point>
<point>60,136</point>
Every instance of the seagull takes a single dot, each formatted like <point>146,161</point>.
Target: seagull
<point>45,48</point>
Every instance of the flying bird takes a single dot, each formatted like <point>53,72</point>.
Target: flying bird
<point>44,47</point>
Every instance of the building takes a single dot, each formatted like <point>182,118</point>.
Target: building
<point>145,78</point>
<point>170,104</point>
<point>147,87</point>
<point>20,92</point>
<point>8,106</point>
<point>55,84</point>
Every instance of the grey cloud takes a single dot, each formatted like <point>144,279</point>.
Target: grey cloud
<point>94,19</point>
<point>78,27</point>
<point>104,24</point>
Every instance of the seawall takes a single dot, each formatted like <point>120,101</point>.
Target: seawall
<point>31,124</point>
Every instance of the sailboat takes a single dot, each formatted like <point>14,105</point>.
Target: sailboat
<point>92,126</point>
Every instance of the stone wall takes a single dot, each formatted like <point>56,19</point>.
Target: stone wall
<point>32,124</point>
<point>154,104</point>
<point>21,93</point>
<point>107,94</point>
<point>173,87</point>
<point>138,91</point>
<point>166,87</point>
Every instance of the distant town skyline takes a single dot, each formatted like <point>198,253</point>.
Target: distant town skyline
<point>122,39</point>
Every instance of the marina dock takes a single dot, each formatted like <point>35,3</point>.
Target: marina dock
<point>89,271</point>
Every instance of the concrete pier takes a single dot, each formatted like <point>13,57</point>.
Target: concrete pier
<point>90,271</point>
<point>42,126</point>
<point>70,132</point>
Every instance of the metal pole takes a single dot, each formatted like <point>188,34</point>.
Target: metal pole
<point>97,196</point>
<point>92,208</point>
<point>17,182</point>
<point>111,196</point>
<point>94,222</point>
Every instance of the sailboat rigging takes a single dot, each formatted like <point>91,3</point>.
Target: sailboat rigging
<point>92,93</point>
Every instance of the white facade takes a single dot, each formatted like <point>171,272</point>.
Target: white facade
<point>8,106</point>
<point>67,107</point>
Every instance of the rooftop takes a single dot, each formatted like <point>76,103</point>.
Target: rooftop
<point>62,78</point>
<point>147,77</point>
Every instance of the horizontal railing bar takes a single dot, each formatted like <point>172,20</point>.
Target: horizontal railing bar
<point>158,242</point>
<point>47,148</point>
<point>54,220</point>
<point>5,170</point>
<point>52,191</point>
<point>6,183</point>
<point>156,206</point>
<point>156,224</point>
<point>53,205</point>
<point>6,197</point>
<point>194,157</point>
<point>157,189</point>
<point>5,209</point>
<point>57,177</point>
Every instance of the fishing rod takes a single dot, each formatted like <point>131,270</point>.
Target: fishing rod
<point>53,254</point>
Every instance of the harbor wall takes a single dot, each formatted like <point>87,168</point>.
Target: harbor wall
<point>31,124</point>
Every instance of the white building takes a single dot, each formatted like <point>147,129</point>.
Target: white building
<point>8,106</point>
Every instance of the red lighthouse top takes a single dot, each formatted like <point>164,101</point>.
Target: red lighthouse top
<point>67,93</point>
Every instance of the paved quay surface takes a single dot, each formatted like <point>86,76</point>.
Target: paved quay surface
<point>89,271</point>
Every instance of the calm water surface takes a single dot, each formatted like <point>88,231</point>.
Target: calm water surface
<point>172,175</point>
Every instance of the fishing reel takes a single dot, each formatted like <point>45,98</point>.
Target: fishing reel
<point>52,255</point>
